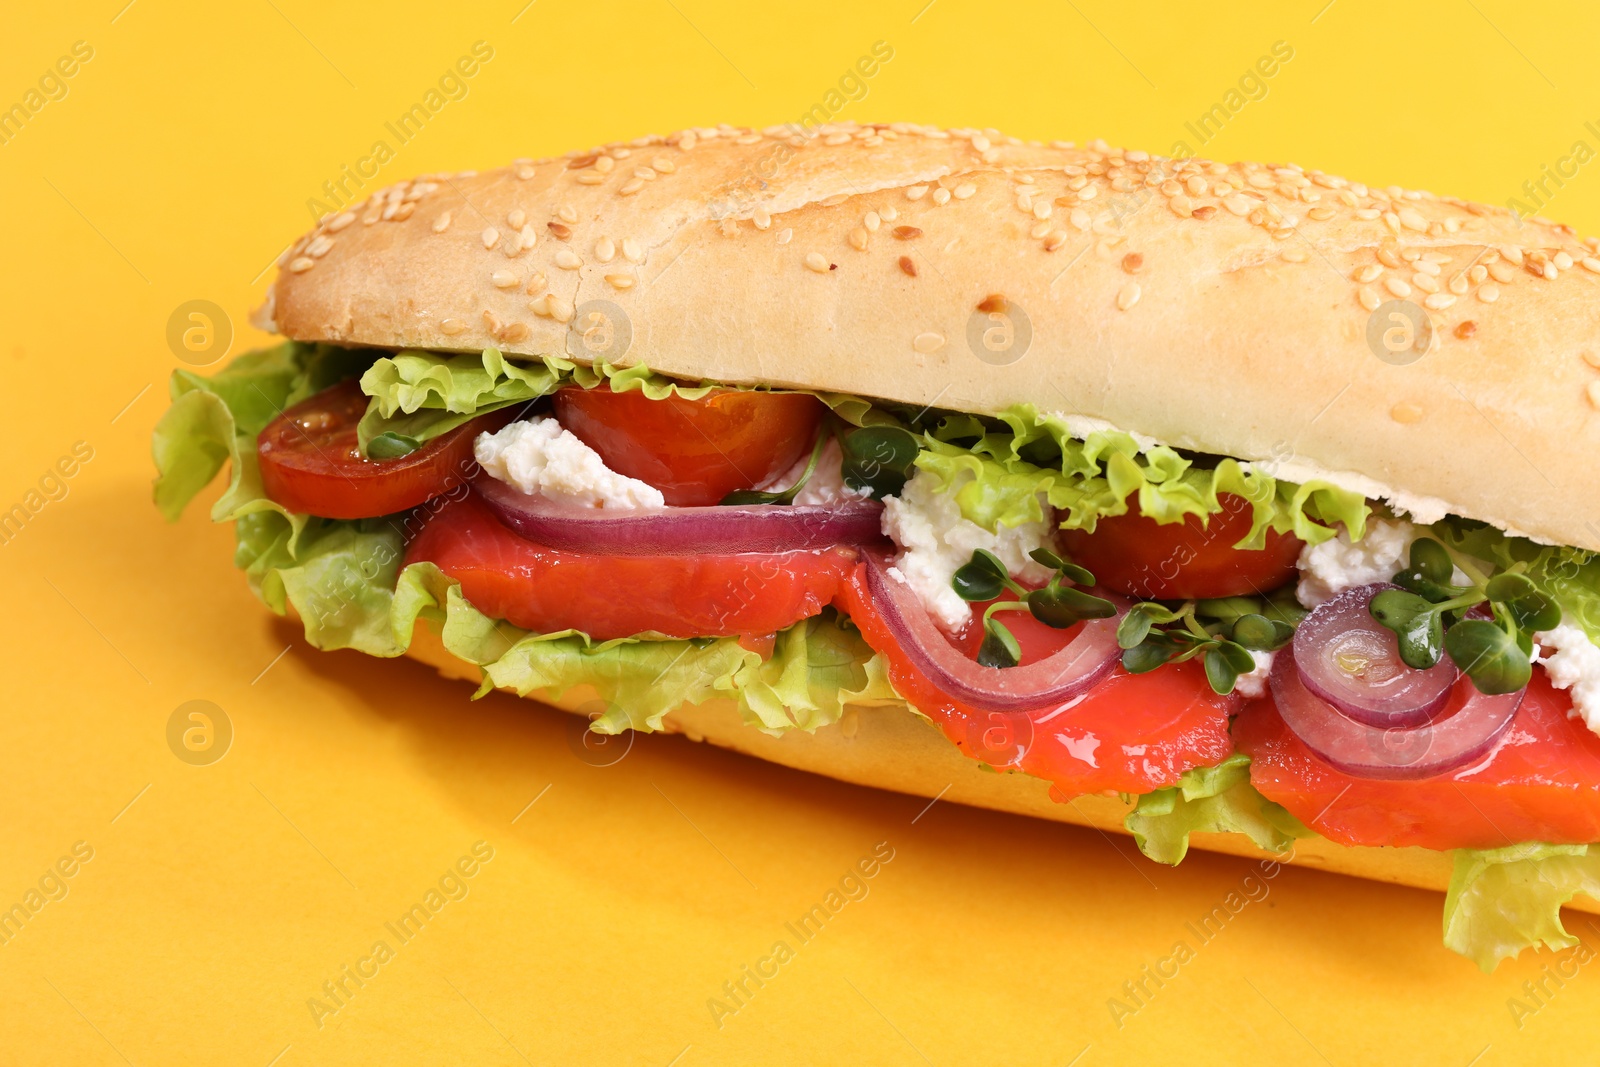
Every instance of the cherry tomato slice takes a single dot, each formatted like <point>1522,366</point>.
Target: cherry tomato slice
<point>695,451</point>
<point>1541,784</point>
<point>310,461</point>
<point>542,589</point>
<point>1184,560</point>
<point>1131,733</point>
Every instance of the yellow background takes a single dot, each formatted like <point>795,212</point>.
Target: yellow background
<point>220,898</point>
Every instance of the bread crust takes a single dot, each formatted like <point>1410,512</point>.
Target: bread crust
<point>1221,308</point>
<point>887,747</point>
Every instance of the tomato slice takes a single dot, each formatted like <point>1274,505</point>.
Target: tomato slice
<point>1187,560</point>
<point>1541,784</point>
<point>311,463</point>
<point>542,589</point>
<point>695,451</point>
<point>1131,733</point>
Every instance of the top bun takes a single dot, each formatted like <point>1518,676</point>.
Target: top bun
<point>1439,354</point>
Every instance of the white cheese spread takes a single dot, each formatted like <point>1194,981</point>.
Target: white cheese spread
<point>538,456</point>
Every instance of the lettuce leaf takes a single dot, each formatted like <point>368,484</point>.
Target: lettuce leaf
<point>1099,475</point>
<point>1216,799</point>
<point>1504,900</point>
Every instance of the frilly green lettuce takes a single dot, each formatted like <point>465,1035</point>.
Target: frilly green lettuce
<point>1217,799</point>
<point>1504,900</point>
<point>1098,476</point>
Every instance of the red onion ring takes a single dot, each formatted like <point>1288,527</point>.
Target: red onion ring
<point>1049,682</point>
<point>1464,732</point>
<point>681,531</point>
<point>1348,659</point>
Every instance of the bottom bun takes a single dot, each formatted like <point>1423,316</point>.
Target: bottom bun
<point>887,747</point>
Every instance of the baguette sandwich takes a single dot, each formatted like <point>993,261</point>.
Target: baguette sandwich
<point>1233,505</point>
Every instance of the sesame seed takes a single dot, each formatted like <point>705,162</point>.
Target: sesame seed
<point>646,173</point>
<point>1181,206</point>
<point>1039,229</point>
<point>442,223</point>
<point>1397,286</point>
<point>1593,393</point>
<point>341,220</point>
<point>994,302</point>
<point>1438,301</point>
<point>319,246</point>
<point>1133,262</point>
<point>451,327</point>
<point>1369,298</point>
<point>491,323</point>
<point>1478,273</point>
<point>1465,329</point>
<point>928,342</point>
<point>1296,255</point>
<point>633,185</point>
<point>301,264</point>
<point>663,165</point>
<point>535,282</point>
<point>1412,219</point>
<point>1406,413</point>
<point>567,213</point>
<point>785,235</point>
<point>1205,212</point>
<point>1370,273</point>
<point>517,219</point>
<point>941,196</point>
<point>1428,266</point>
<point>560,310</point>
<point>890,213</point>
<point>858,238</point>
<point>916,192</point>
<point>1387,257</point>
<point>1426,282</point>
<point>621,281</point>
<point>1592,357</point>
<point>835,200</point>
<point>1196,185</point>
<point>816,261</point>
<point>631,250</point>
<point>567,259</point>
<point>605,250</point>
<point>908,265</point>
<point>1088,193</point>
<point>587,159</point>
<point>906,233</point>
<point>505,279</point>
<point>1563,261</point>
<point>1079,218</point>
<point>515,333</point>
<point>871,221</point>
<point>1055,240</point>
<point>1590,263</point>
<point>590,177</point>
<point>1128,296</point>
<point>404,211</point>
<point>524,172</point>
<point>560,230</point>
<point>491,237</point>
<point>1221,190</point>
<point>1366,214</point>
<point>1502,271</point>
<point>605,164</point>
<point>1512,253</point>
<point>1320,213</point>
<point>526,237</point>
<point>1489,293</point>
<point>965,190</point>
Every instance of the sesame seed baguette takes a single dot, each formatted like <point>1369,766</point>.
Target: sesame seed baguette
<point>887,747</point>
<point>1222,308</point>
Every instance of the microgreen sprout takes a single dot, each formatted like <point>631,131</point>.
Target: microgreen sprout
<point>984,577</point>
<point>879,458</point>
<point>1432,616</point>
<point>1222,632</point>
<point>782,496</point>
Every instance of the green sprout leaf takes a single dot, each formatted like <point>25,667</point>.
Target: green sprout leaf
<point>1491,657</point>
<point>1062,606</point>
<point>1148,656</point>
<point>999,648</point>
<point>879,458</point>
<point>1430,560</point>
<point>1224,662</point>
<point>782,496</point>
<point>1046,558</point>
<point>981,578</point>
<point>1262,634</point>
<point>391,445</point>
<point>1417,625</point>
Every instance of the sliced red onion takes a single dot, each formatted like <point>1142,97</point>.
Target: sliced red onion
<point>1351,661</point>
<point>1031,686</point>
<point>1464,732</point>
<point>681,531</point>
